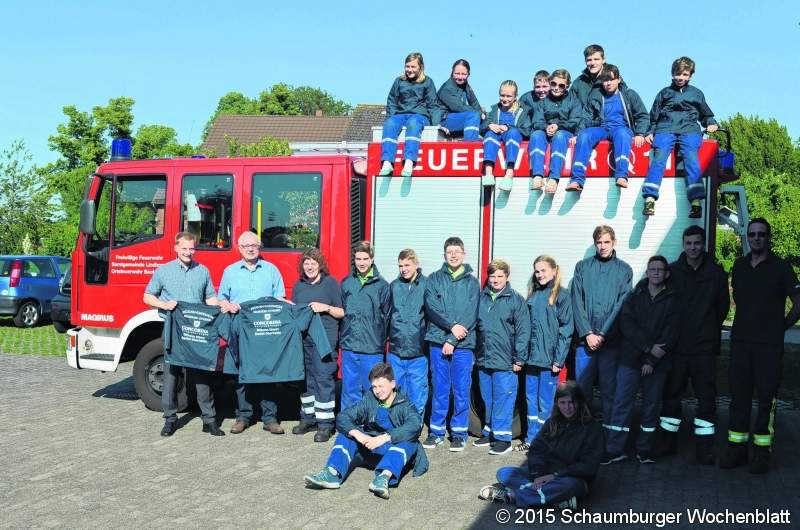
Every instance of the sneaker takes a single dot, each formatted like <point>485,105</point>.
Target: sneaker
<point>487,180</point>
<point>386,169</point>
<point>571,503</point>
<point>500,448</point>
<point>610,458</point>
<point>325,479</point>
<point>432,441</point>
<point>408,168</point>
<point>483,441</point>
<point>457,444</point>
<point>537,182</point>
<point>522,447</point>
<point>506,183</point>
<point>494,493</point>
<point>646,458</point>
<point>380,486</point>
<point>649,207</point>
<point>696,211</point>
<point>552,186</point>
<point>622,182</point>
<point>574,186</point>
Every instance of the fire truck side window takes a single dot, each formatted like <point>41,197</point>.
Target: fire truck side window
<point>285,209</point>
<point>207,205</point>
<point>139,215</point>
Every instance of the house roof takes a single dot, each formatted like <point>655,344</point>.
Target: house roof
<point>250,129</point>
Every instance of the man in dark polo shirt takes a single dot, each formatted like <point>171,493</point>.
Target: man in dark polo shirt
<point>761,283</point>
<point>182,280</point>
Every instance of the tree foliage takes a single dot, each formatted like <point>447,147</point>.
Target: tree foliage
<point>265,147</point>
<point>22,200</point>
<point>280,100</point>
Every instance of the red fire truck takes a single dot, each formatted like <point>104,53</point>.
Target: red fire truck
<point>132,209</point>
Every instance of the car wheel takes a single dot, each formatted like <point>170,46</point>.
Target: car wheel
<point>148,377</point>
<point>28,315</point>
<point>61,326</point>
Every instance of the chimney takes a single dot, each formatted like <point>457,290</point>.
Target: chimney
<point>318,113</point>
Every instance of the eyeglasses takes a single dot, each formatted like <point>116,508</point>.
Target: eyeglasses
<point>454,253</point>
<point>250,247</point>
<point>562,86</point>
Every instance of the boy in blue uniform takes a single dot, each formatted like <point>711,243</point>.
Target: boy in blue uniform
<point>674,118</point>
<point>541,87</point>
<point>617,114</point>
<point>407,330</point>
<point>381,430</point>
<point>506,124</point>
<point>365,297</point>
<point>588,81</point>
<point>451,307</point>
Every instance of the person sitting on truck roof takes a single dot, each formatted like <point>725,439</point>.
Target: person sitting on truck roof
<point>674,118</point>
<point>248,279</point>
<point>504,330</point>
<point>506,123</point>
<point>322,293</point>
<point>541,87</point>
<point>562,461</point>
<point>458,104</point>
<point>183,280</point>
<point>367,303</point>
<point>556,119</point>
<point>550,309</point>
<point>407,349</point>
<point>588,81</point>
<point>599,287</point>
<point>380,430</point>
<point>451,307</point>
<point>617,114</point>
<point>411,103</point>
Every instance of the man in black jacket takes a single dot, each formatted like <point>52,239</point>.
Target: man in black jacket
<point>702,286</point>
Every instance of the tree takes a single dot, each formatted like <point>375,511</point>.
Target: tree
<point>761,145</point>
<point>279,100</point>
<point>22,202</point>
<point>158,141</point>
<point>265,147</point>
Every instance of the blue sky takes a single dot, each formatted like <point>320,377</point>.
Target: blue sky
<point>176,58</point>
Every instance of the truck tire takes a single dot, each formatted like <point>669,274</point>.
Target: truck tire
<point>477,409</point>
<point>148,376</point>
<point>28,315</point>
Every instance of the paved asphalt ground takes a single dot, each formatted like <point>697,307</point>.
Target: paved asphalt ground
<point>78,450</point>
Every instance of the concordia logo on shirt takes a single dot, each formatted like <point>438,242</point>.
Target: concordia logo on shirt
<point>196,323</point>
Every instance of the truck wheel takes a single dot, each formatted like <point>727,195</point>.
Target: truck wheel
<point>28,315</point>
<point>148,376</point>
<point>61,326</point>
<point>477,409</point>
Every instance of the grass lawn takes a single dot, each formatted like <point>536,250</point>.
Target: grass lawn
<point>41,340</point>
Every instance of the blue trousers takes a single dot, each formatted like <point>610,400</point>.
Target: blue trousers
<point>412,376</point>
<point>540,389</point>
<point>347,454</point>
<point>492,142</point>
<point>629,380</point>
<point>559,489</point>
<point>451,374</point>
<point>469,122</point>
<point>559,144</point>
<point>499,392</point>
<point>249,393</point>
<point>588,139</point>
<point>600,366</point>
<point>414,123</point>
<point>319,399</point>
<point>355,375</point>
<point>688,145</point>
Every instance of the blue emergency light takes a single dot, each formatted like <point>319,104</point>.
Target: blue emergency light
<point>121,149</point>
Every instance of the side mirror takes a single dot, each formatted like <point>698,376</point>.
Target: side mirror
<point>86,225</point>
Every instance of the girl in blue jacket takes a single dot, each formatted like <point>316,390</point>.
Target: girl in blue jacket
<point>503,337</point>
<point>459,106</point>
<point>550,309</point>
<point>411,103</point>
<point>506,124</point>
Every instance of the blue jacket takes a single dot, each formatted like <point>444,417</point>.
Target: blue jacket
<point>407,317</point>
<point>551,328</point>
<point>449,302</point>
<point>645,321</point>
<point>636,115</point>
<point>598,289</point>
<point>504,330</point>
<point>366,313</point>
<point>528,100</point>
<point>407,97</point>
<point>566,112</point>
<point>406,422</point>
<point>583,85</point>
<point>522,119</point>
<point>455,98</point>
<point>678,111</point>
<point>576,451</point>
